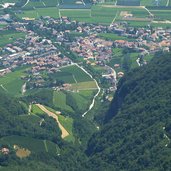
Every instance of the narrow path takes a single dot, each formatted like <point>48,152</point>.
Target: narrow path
<point>4,88</point>
<point>74,78</point>
<point>148,11</point>
<point>29,109</point>
<point>114,19</point>
<point>44,4</point>
<point>59,14</point>
<point>25,3</point>
<point>165,136</point>
<point>99,89</point>
<point>23,89</point>
<point>167,4</point>
<point>83,2</point>
<point>45,145</point>
<point>138,61</point>
<point>64,131</point>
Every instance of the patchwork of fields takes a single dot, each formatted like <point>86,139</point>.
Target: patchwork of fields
<point>103,14</point>
<point>12,82</point>
<point>7,37</point>
<point>34,145</point>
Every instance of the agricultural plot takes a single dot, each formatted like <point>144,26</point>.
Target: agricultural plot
<point>51,2</point>
<point>8,1</point>
<point>34,4</point>
<point>105,15</point>
<point>34,118</point>
<point>89,85</point>
<point>153,2</point>
<point>111,36</point>
<point>2,25</point>
<point>7,37</point>
<point>73,101</point>
<point>76,73</point>
<point>138,23</point>
<point>34,145</point>
<point>97,14</point>
<point>161,14</point>
<point>96,20</point>
<point>12,82</point>
<point>42,3</point>
<point>76,13</point>
<point>59,101</point>
<point>36,110</point>
<point>66,122</point>
<point>38,12</point>
<point>77,102</point>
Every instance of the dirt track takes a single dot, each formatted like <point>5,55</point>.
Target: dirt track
<point>64,131</point>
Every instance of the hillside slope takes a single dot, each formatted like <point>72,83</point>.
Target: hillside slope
<point>138,136</point>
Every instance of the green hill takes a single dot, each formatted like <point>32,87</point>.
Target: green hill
<point>138,129</point>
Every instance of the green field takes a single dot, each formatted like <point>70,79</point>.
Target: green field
<point>34,118</point>
<point>81,99</point>
<point>76,74</point>
<point>59,101</point>
<point>84,86</point>
<point>71,74</point>
<point>97,14</point>
<point>2,25</point>
<point>42,3</point>
<point>152,3</point>
<point>38,12</point>
<point>34,145</point>
<point>76,13</point>
<point>36,110</point>
<point>66,122</point>
<point>7,37</point>
<point>7,1</point>
<point>161,14</point>
<point>12,82</point>
<point>111,36</point>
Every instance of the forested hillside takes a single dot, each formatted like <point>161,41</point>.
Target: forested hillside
<point>135,136</point>
<point>138,135</point>
<point>41,143</point>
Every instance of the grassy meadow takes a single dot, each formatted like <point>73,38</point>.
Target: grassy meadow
<point>12,82</point>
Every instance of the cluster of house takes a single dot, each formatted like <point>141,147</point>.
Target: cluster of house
<point>4,151</point>
<point>147,42</point>
<point>33,50</point>
<point>44,56</point>
<point>92,48</point>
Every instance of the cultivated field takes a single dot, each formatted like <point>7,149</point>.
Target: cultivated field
<point>7,37</point>
<point>153,2</point>
<point>76,74</point>
<point>33,145</point>
<point>12,82</point>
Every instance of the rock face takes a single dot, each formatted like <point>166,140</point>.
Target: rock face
<point>133,137</point>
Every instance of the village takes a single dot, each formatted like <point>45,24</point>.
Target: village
<point>40,51</point>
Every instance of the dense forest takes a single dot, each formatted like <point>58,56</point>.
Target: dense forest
<point>135,134</point>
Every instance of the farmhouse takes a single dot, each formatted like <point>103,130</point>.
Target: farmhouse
<point>128,2</point>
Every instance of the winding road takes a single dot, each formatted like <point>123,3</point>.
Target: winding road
<point>53,115</point>
<point>99,89</point>
<point>26,3</point>
<point>167,4</point>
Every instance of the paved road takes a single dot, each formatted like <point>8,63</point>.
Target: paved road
<point>26,3</point>
<point>99,89</point>
<point>64,131</point>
